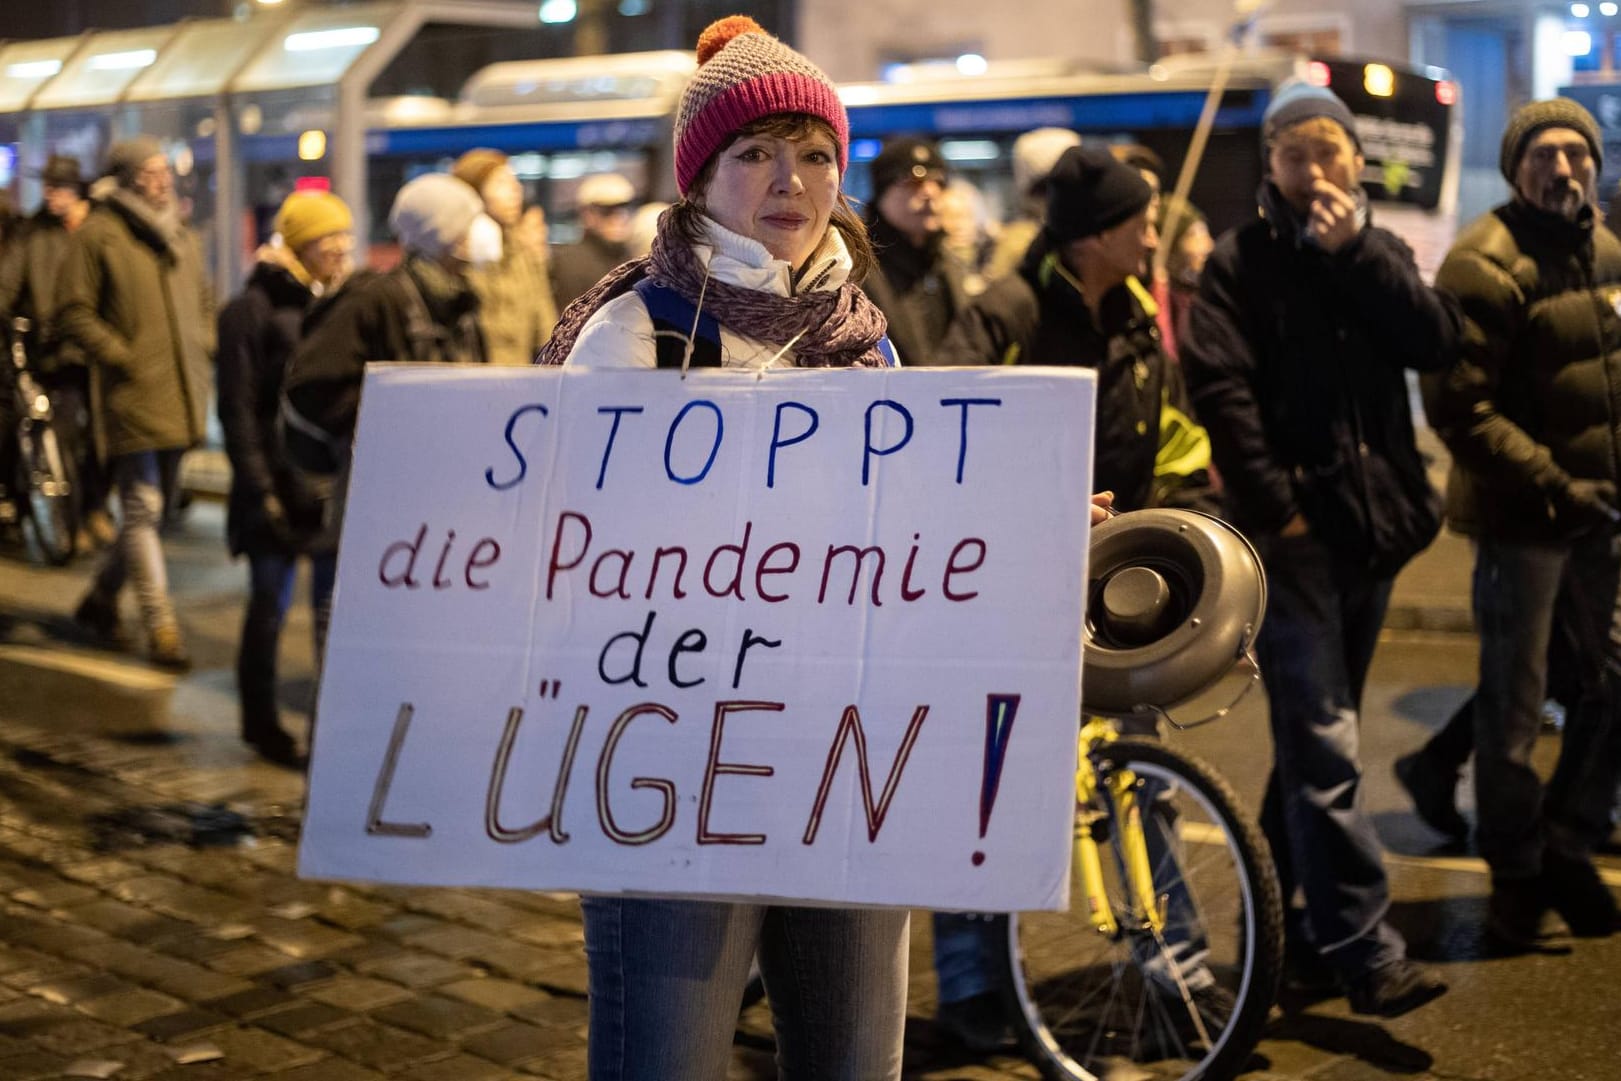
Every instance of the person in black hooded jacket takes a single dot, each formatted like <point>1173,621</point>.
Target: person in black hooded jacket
<point>272,517</point>
<point>1295,355</point>
<point>1076,300</point>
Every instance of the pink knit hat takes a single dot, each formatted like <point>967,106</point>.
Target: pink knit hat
<point>743,74</point>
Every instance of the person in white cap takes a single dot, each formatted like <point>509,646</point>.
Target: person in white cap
<point>423,310</point>
<point>605,202</point>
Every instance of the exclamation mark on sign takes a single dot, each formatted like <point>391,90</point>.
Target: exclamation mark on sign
<point>1000,709</point>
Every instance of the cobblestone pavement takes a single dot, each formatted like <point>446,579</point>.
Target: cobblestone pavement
<point>151,927</point>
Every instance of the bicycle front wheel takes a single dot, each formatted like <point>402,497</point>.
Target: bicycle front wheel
<point>1186,999</point>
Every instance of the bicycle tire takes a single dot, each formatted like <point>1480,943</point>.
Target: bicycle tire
<point>1084,1005</point>
<point>50,490</point>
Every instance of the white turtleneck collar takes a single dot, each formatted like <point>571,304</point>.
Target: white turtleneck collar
<point>744,261</point>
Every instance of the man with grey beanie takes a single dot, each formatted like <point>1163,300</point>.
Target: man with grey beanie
<point>1528,413</point>
<point>134,301</point>
<point>1296,353</point>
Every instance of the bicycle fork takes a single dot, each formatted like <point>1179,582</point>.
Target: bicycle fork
<point>1119,793</point>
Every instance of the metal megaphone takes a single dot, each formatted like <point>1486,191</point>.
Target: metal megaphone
<point>1174,602</point>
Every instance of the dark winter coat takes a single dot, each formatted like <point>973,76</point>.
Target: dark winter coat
<point>919,290</point>
<point>134,299</point>
<point>1295,358</point>
<point>1038,316</point>
<point>577,267</point>
<point>28,288</point>
<point>258,331</point>
<point>416,312</point>
<point>1535,397</point>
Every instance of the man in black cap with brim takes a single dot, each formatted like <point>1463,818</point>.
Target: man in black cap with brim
<point>1529,414</point>
<point>1296,353</point>
<point>917,283</point>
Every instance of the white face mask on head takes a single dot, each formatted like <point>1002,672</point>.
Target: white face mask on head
<point>484,241</point>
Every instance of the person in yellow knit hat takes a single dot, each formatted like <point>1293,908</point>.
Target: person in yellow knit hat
<point>272,518</point>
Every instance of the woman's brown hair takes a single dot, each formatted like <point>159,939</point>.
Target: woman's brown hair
<point>687,218</point>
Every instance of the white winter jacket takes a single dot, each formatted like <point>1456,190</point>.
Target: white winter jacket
<point>620,333</point>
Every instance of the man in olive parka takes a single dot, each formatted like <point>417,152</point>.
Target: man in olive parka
<point>135,301</point>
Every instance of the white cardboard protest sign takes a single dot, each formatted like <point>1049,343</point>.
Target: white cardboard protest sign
<point>814,636</point>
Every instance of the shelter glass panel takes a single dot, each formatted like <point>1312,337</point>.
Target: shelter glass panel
<point>317,47</point>
<point>26,65</point>
<point>99,73</point>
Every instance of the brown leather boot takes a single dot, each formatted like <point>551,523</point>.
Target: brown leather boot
<point>166,649</point>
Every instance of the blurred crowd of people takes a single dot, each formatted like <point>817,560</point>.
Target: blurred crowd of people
<point>1260,376</point>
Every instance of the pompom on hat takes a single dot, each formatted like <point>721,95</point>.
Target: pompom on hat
<point>744,74</point>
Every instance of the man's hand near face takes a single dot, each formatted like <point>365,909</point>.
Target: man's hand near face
<point>1332,220</point>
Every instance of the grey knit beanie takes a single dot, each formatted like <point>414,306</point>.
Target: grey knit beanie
<point>432,213</point>
<point>127,156</point>
<point>1536,116</point>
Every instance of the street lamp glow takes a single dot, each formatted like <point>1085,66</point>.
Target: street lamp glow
<point>337,38</point>
<point>124,61</point>
<point>558,11</point>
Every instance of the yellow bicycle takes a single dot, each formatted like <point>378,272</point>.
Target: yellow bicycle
<point>1167,962</point>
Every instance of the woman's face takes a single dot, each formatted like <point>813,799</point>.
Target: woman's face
<point>778,191</point>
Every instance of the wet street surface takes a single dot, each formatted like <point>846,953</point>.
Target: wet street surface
<point>151,925</point>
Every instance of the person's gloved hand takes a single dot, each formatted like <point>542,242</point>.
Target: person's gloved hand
<point>1588,504</point>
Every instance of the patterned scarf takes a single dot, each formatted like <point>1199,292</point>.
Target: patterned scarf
<point>829,328</point>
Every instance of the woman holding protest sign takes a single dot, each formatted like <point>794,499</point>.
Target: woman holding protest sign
<point>757,266</point>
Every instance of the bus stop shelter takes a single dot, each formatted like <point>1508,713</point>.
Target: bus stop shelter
<point>292,84</point>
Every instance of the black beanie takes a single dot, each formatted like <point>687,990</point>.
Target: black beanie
<point>1535,116</point>
<point>1089,191</point>
<point>904,158</point>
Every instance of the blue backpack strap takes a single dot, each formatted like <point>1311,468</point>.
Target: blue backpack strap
<point>886,349</point>
<point>672,316</point>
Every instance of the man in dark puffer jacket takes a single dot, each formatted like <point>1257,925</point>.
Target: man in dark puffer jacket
<point>1530,416</point>
<point>1295,355</point>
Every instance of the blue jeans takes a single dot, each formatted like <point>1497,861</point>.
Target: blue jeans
<point>667,978</point>
<point>145,483</point>
<point>1515,590</point>
<point>270,579</point>
<point>1316,643</point>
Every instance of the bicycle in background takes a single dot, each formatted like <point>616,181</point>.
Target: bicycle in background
<point>38,492</point>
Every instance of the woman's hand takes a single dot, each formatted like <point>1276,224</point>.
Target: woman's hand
<point>1102,507</point>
